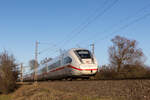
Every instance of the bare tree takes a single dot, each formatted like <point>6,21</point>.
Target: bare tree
<point>8,72</point>
<point>125,52</point>
<point>32,64</point>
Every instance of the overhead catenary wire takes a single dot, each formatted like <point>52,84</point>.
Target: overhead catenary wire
<point>137,12</point>
<point>83,23</point>
<point>86,23</point>
<point>125,26</point>
<point>47,49</point>
<point>49,54</point>
<point>90,22</point>
<point>88,18</point>
<point>75,35</point>
<point>73,31</point>
<point>53,49</point>
<point>120,22</point>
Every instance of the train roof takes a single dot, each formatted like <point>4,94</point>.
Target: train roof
<point>73,49</point>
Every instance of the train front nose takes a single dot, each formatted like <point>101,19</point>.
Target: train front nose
<point>87,64</point>
<point>89,69</point>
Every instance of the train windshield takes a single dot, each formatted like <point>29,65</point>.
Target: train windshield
<point>84,54</point>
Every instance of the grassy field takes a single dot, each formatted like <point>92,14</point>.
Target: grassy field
<point>83,90</point>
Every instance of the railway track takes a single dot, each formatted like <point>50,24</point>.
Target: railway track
<point>88,80</point>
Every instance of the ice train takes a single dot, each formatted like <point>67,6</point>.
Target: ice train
<point>74,63</point>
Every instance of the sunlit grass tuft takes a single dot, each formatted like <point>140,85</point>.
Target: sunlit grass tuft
<point>5,97</point>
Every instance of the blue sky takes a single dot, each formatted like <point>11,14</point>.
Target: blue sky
<point>70,24</point>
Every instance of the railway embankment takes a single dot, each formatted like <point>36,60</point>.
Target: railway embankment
<point>83,90</point>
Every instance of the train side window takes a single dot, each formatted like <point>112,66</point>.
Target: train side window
<point>67,60</point>
<point>54,65</point>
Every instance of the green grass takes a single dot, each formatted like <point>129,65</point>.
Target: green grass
<point>5,97</point>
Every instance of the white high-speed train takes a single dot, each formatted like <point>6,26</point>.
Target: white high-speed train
<point>74,63</point>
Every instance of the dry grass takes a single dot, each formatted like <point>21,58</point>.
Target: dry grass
<point>5,97</point>
<point>85,90</point>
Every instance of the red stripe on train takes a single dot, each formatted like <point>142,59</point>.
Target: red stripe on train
<point>57,69</point>
<point>74,68</point>
<point>81,69</point>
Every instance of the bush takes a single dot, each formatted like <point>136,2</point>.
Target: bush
<point>8,73</point>
<point>147,72</point>
<point>126,72</point>
<point>134,71</point>
<point>106,73</point>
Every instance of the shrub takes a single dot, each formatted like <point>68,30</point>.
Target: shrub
<point>106,73</point>
<point>126,72</point>
<point>134,71</point>
<point>147,72</point>
<point>8,73</point>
